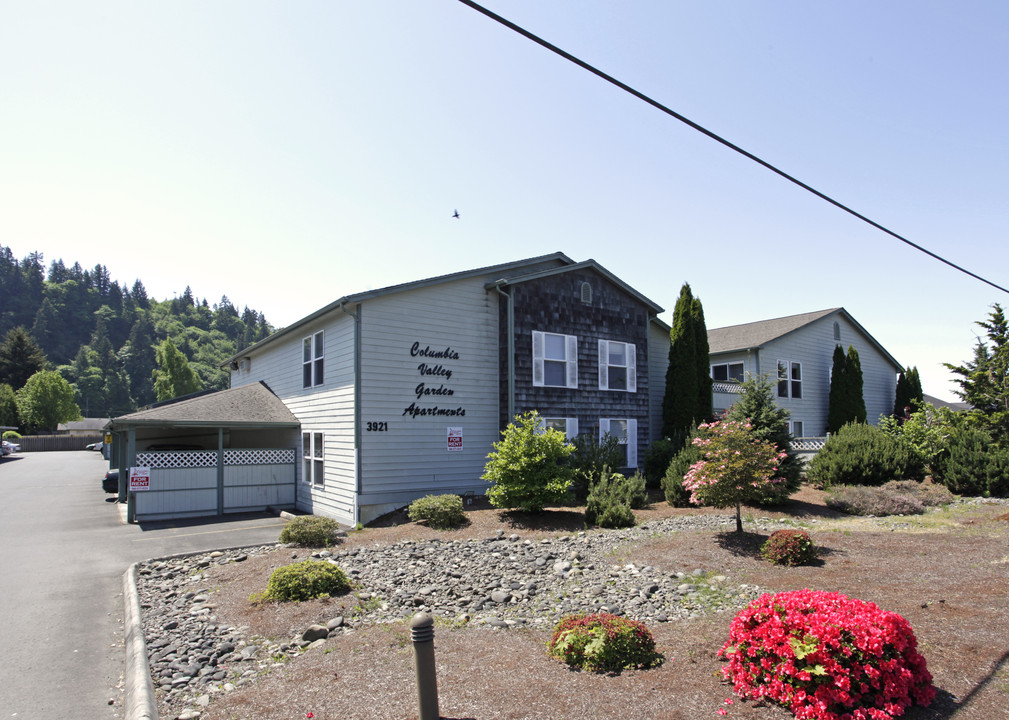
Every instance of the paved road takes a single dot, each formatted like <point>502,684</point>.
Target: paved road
<point>63,550</point>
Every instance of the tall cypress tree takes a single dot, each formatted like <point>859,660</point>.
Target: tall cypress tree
<point>704,406</point>
<point>914,380</point>
<point>837,411</point>
<point>680,405</point>
<point>855,386</point>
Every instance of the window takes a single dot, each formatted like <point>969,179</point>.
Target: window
<point>727,372</point>
<point>617,366</point>
<point>789,379</point>
<point>555,360</point>
<point>312,360</point>
<point>586,293</point>
<point>795,427</point>
<point>312,457</point>
<point>626,432</point>
<point>837,332</point>
<point>568,426</point>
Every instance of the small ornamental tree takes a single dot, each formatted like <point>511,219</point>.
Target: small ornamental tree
<point>529,465</point>
<point>736,467</point>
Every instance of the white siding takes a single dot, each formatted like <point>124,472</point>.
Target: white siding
<point>658,363</point>
<point>405,456</point>
<point>328,408</point>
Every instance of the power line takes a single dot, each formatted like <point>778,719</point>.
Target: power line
<point>668,111</point>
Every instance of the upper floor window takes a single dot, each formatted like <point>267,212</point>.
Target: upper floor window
<point>312,360</point>
<point>555,360</point>
<point>727,372</point>
<point>789,379</point>
<point>626,433</point>
<point>568,426</point>
<point>837,331</point>
<point>617,366</point>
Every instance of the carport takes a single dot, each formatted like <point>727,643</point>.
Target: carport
<point>208,454</point>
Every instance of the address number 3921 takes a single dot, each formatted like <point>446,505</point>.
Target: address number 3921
<point>377,426</point>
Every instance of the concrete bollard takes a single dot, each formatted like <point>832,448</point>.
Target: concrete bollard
<point>422,634</point>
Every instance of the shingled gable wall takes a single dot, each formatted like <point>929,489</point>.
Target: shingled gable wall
<point>553,304</point>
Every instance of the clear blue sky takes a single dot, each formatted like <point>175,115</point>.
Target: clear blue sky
<point>290,153</point>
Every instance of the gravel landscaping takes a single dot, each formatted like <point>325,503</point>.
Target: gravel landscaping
<point>497,586</point>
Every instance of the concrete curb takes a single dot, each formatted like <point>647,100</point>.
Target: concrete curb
<point>140,703</point>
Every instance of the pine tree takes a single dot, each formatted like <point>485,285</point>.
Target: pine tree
<point>855,386</point>
<point>20,358</point>
<point>679,405</point>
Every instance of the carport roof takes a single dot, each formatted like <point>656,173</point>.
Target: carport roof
<point>252,405</point>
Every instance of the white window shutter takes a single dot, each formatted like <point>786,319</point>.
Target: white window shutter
<point>632,370</point>
<point>572,428</point>
<point>604,365</point>
<point>538,345</point>
<point>632,443</point>
<point>571,355</point>
<point>604,428</point>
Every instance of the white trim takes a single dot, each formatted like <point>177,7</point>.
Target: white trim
<point>540,359</point>
<point>630,368</point>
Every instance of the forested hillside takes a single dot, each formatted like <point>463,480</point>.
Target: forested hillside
<point>103,337</point>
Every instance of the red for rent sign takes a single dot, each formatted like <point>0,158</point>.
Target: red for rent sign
<point>140,478</point>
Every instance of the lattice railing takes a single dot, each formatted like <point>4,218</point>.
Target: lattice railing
<point>208,458</point>
<point>808,444</point>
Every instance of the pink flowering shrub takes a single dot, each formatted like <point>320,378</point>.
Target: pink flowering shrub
<point>826,657</point>
<point>735,467</point>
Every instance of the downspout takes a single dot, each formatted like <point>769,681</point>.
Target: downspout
<point>357,409</point>
<point>511,348</point>
<point>220,471</point>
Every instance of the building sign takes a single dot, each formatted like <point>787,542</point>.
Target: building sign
<point>455,439</point>
<point>435,385</point>
<point>140,478</point>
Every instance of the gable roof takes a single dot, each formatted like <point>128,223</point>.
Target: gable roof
<point>584,265</point>
<point>252,405</point>
<point>753,336</point>
<point>504,270</point>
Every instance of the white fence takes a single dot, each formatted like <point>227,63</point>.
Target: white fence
<point>192,483</point>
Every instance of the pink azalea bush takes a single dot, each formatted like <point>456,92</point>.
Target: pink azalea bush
<point>826,656</point>
<point>735,466</point>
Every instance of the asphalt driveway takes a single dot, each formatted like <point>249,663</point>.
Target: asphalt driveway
<point>64,551</point>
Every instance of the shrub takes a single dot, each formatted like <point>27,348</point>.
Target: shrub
<point>735,467</point>
<point>861,454</point>
<point>11,435</point>
<point>611,499</point>
<point>528,466</point>
<point>311,531</point>
<point>789,547</point>
<point>897,497</point>
<point>926,431</point>
<point>438,511</point>
<point>658,456</point>
<point>973,464</point>
<point>592,458</point>
<point>826,656</point>
<point>304,581</point>
<point>603,643</point>
<point>672,481</point>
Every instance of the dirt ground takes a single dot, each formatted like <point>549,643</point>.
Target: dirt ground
<point>947,572</point>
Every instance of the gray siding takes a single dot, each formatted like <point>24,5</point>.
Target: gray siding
<point>328,409</point>
<point>658,363</point>
<point>413,396</point>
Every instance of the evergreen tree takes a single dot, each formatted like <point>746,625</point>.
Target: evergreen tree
<point>679,405</point>
<point>914,380</point>
<point>846,401</point>
<point>768,422</point>
<point>838,411</point>
<point>855,385</point>
<point>20,358</point>
<point>984,381</point>
<point>704,399</point>
<point>139,360</point>
<point>909,394</point>
<point>173,377</point>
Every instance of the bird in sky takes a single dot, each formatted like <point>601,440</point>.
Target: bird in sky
<point>456,214</point>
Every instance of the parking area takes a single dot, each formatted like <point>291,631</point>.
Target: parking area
<point>66,546</point>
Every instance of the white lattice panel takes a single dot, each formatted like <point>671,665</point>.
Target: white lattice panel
<point>177,459</point>
<point>259,457</point>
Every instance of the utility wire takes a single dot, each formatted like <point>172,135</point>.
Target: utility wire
<point>656,104</point>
